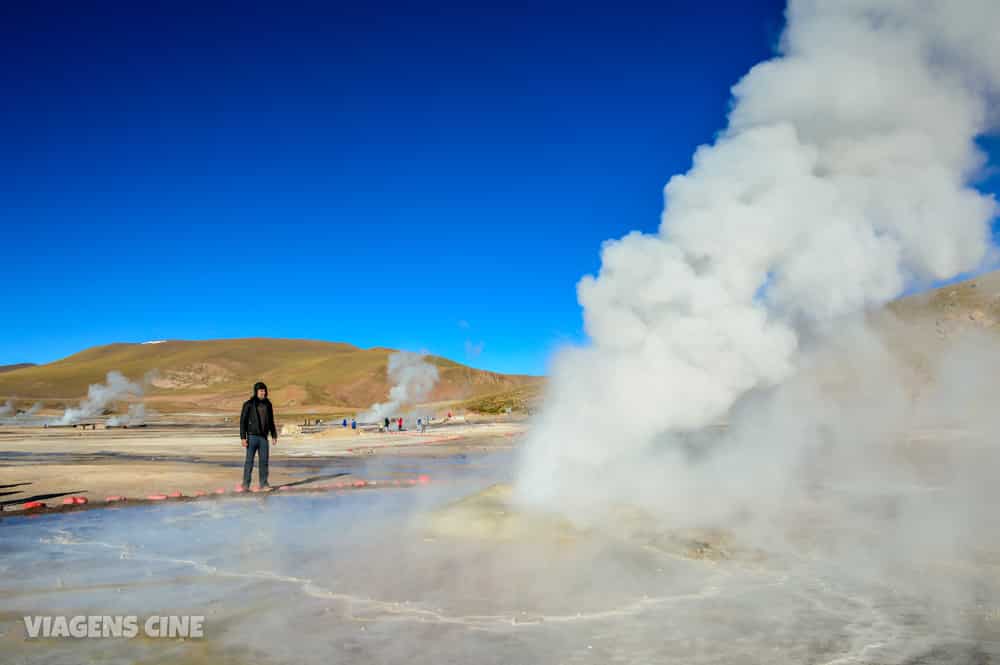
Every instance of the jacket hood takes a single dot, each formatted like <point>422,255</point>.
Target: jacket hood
<point>257,386</point>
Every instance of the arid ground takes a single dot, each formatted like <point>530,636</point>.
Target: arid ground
<point>48,464</point>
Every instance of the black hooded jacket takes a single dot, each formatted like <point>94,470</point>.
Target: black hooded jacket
<point>250,422</point>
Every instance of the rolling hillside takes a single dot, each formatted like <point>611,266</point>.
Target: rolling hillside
<point>973,303</point>
<point>217,375</point>
<point>311,376</point>
<point>11,368</point>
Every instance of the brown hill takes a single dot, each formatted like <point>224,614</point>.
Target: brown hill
<point>217,375</point>
<point>11,368</point>
<point>312,376</point>
<point>974,303</point>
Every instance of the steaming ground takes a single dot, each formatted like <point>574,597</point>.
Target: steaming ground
<point>432,575</point>
<point>887,557</point>
<point>737,467</point>
<point>736,375</point>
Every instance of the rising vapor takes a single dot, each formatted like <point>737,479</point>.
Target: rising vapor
<point>100,396</point>
<point>842,178</point>
<point>413,379</point>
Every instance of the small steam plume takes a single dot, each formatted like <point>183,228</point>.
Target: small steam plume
<point>20,415</point>
<point>100,396</point>
<point>843,177</point>
<point>136,416</point>
<point>7,409</point>
<point>35,408</point>
<point>412,377</point>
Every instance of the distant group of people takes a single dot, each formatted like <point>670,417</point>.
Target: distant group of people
<point>389,423</point>
<point>398,422</point>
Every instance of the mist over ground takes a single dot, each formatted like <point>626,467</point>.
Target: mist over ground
<point>750,460</point>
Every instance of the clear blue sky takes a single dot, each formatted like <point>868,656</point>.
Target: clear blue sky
<point>412,175</point>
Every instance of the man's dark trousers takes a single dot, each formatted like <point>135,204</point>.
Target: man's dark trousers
<point>256,445</point>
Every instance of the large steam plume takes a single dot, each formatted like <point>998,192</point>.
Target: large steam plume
<point>100,396</point>
<point>412,377</point>
<point>842,178</point>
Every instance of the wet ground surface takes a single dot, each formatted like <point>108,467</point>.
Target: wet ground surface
<point>359,577</point>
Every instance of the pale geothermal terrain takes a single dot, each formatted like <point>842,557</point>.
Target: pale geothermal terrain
<point>756,458</point>
<point>390,547</point>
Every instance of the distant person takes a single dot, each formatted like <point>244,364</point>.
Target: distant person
<point>354,423</point>
<point>256,423</point>
<point>387,424</point>
<point>400,424</point>
<point>345,422</point>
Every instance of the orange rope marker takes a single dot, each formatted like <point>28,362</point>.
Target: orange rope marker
<point>157,497</point>
<point>114,498</point>
<point>220,491</point>
<point>33,505</point>
<point>175,495</point>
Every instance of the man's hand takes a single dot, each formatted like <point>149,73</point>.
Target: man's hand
<point>274,441</point>
<point>244,442</point>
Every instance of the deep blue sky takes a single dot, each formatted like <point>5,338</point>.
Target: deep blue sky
<point>413,175</point>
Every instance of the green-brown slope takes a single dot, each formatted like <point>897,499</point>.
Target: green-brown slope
<point>11,368</point>
<point>217,374</point>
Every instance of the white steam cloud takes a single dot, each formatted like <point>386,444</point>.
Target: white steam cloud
<point>136,416</point>
<point>100,396</point>
<point>413,379</point>
<point>842,177</point>
<point>9,411</point>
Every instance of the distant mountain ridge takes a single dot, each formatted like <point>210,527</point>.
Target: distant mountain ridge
<point>217,375</point>
<point>11,368</point>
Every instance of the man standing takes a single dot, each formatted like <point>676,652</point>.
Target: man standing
<point>256,422</point>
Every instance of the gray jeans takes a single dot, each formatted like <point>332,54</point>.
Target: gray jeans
<point>260,446</point>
